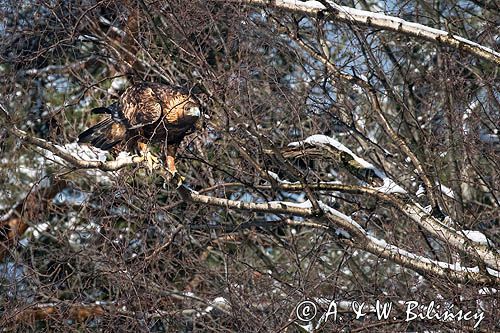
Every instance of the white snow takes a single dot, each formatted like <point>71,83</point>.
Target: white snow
<point>341,215</point>
<point>82,152</point>
<point>320,139</point>
<point>277,178</point>
<point>469,109</point>
<point>487,291</point>
<point>493,272</point>
<point>389,185</point>
<point>380,19</point>
<point>218,302</point>
<point>421,191</point>
<point>447,191</point>
<point>394,249</point>
<point>307,4</point>
<point>85,152</point>
<point>477,236</point>
<point>118,84</point>
<point>305,204</point>
<point>38,229</point>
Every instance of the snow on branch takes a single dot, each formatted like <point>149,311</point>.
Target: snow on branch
<point>359,238</point>
<point>79,158</point>
<point>353,162</point>
<point>330,218</point>
<point>418,262</point>
<point>407,259</point>
<point>379,247</point>
<point>449,235</point>
<point>366,171</point>
<point>478,237</point>
<point>381,21</point>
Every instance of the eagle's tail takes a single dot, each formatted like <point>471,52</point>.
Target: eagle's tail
<point>104,135</point>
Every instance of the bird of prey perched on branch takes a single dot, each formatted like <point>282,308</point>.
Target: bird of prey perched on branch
<point>146,113</point>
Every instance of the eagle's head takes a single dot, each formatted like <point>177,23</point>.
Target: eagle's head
<point>192,111</point>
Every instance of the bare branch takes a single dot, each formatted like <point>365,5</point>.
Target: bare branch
<point>360,239</point>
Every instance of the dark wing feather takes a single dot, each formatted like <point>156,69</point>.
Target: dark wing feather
<point>100,110</point>
<point>114,111</point>
<point>104,135</point>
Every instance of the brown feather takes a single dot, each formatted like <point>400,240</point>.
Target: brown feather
<point>146,112</point>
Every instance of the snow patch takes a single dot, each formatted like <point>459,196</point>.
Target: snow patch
<point>487,291</point>
<point>38,229</point>
<point>217,303</point>
<point>344,217</point>
<point>493,272</point>
<point>447,191</point>
<point>306,204</point>
<point>278,179</point>
<point>389,185</point>
<point>85,152</point>
<point>421,191</point>
<point>453,266</point>
<point>477,236</point>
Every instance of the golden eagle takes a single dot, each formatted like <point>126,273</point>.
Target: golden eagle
<point>146,113</point>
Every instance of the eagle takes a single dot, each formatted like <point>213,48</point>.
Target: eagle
<point>147,113</point>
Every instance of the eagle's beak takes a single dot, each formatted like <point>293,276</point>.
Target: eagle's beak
<point>194,112</point>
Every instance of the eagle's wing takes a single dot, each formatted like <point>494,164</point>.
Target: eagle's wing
<point>140,106</point>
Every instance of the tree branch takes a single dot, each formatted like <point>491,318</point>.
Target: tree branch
<point>74,161</point>
<point>360,239</point>
<point>332,218</point>
<point>380,21</point>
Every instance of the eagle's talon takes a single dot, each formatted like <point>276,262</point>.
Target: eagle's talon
<point>152,162</point>
<point>176,178</point>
